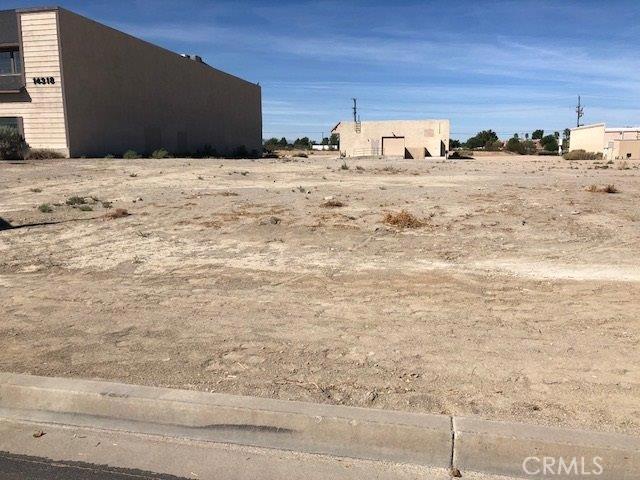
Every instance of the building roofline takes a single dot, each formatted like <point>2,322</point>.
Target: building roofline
<point>582,127</point>
<point>57,8</point>
<point>399,121</point>
<point>37,9</point>
<point>622,129</point>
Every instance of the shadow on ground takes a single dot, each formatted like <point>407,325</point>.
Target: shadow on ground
<point>4,225</point>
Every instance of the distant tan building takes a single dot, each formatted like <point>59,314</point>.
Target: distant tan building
<point>74,85</point>
<point>613,143</point>
<point>394,138</point>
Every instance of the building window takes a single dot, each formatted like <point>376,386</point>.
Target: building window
<point>12,122</point>
<point>10,62</point>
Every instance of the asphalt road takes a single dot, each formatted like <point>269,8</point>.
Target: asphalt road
<point>22,467</point>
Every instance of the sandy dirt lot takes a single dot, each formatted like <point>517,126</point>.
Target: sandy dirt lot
<point>518,299</point>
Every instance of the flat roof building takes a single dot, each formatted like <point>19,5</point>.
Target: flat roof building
<point>394,138</point>
<point>613,143</point>
<point>82,88</point>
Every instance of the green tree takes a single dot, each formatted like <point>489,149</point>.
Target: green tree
<point>549,143</point>
<point>271,144</point>
<point>481,139</point>
<point>334,139</point>
<point>283,143</point>
<point>515,145</point>
<point>493,146</point>
<point>454,144</point>
<point>537,134</point>
<point>528,147</point>
<point>302,143</point>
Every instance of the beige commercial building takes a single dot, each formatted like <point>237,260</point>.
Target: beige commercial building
<point>613,143</point>
<point>71,84</point>
<point>394,138</point>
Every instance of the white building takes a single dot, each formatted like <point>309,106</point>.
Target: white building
<point>613,143</point>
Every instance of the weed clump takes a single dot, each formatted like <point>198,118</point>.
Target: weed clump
<point>610,188</point>
<point>403,219</point>
<point>45,208</point>
<point>160,154</point>
<point>117,213</point>
<point>130,155</point>
<point>332,204</point>
<point>75,200</point>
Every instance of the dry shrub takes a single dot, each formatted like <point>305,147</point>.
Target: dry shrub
<point>582,155</point>
<point>403,220</point>
<point>117,213</point>
<point>42,154</point>
<point>75,200</point>
<point>332,204</point>
<point>228,194</point>
<point>604,189</point>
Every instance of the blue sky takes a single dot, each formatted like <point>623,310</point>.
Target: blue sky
<point>512,66</point>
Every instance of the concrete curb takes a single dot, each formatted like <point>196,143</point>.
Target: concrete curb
<point>433,440</point>
<point>537,452</point>
<point>304,427</point>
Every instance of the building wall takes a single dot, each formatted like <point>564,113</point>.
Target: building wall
<point>418,135</point>
<point>626,149</point>
<point>622,134</point>
<point>123,93</point>
<point>40,106</point>
<point>590,138</point>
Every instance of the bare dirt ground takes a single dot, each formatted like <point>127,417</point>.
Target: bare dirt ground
<point>518,299</point>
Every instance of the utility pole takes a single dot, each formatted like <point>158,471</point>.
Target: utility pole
<point>579,111</point>
<point>355,110</point>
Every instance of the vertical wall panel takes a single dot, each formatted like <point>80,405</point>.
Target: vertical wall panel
<point>42,107</point>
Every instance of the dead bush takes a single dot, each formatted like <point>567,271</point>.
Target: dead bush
<point>117,213</point>
<point>603,189</point>
<point>403,219</point>
<point>332,204</point>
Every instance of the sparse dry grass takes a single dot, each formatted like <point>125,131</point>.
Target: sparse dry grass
<point>403,219</point>
<point>392,170</point>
